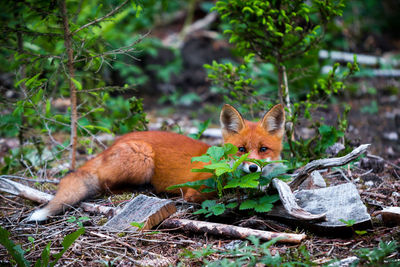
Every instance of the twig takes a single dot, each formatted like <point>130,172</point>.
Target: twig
<point>324,163</point>
<point>344,175</point>
<point>112,12</point>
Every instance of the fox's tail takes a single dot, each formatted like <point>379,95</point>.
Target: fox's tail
<point>73,188</point>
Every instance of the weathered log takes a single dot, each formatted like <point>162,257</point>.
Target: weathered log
<point>289,203</point>
<point>30,193</point>
<point>142,209</point>
<point>230,230</point>
<point>325,163</point>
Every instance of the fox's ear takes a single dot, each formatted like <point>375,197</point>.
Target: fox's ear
<point>274,120</point>
<point>231,120</point>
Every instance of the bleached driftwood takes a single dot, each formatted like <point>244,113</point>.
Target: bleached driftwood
<point>325,163</point>
<point>230,230</point>
<point>289,203</point>
<point>30,193</point>
<point>142,209</point>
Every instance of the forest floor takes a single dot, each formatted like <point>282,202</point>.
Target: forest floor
<point>378,187</point>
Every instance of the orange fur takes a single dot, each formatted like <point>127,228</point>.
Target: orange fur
<point>162,159</point>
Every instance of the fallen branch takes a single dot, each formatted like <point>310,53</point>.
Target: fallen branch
<point>325,163</point>
<point>30,193</point>
<point>230,230</point>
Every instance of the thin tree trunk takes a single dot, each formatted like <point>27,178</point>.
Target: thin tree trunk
<point>21,135</point>
<point>72,87</point>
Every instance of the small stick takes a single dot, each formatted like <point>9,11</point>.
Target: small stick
<point>230,230</point>
<point>324,163</point>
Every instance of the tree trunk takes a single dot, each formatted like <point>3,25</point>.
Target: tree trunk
<point>72,87</point>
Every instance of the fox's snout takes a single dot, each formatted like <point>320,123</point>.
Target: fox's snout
<point>250,167</point>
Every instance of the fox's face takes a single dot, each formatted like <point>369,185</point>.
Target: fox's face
<point>263,140</point>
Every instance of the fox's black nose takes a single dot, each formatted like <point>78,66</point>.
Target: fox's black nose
<point>253,168</point>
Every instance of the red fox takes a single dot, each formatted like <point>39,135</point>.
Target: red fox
<point>163,159</point>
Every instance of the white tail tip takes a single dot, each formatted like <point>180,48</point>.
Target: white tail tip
<point>39,215</point>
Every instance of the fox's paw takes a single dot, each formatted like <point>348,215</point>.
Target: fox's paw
<point>39,215</point>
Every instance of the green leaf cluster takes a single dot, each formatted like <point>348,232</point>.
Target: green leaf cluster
<point>378,256</point>
<point>277,28</point>
<point>250,253</point>
<point>226,177</point>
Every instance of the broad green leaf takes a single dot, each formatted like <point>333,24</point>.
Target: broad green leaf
<point>14,250</point>
<point>248,204</point>
<point>232,205</point>
<point>214,166</point>
<point>216,152</point>
<point>66,243</point>
<point>203,158</point>
<point>77,84</point>
<point>248,181</point>
<point>217,209</point>
<point>138,225</point>
<point>269,199</point>
<point>32,80</point>
<point>37,97</point>
<point>221,171</point>
<point>100,128</point>
<point>230,149</point>
<point>44,257</point>
<point>20,81</point>
<point>240,161</point>
<point>48,107</point>
<point>263,207</point>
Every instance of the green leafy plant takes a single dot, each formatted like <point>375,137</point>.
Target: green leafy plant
<point>253,253</point>
<point>45,41</point>
<point>227,177</point>
<point>79,221</point>
<point>350,223</point>
<point>211,207</point>
<point>377,256</point>
<point>46,259</point>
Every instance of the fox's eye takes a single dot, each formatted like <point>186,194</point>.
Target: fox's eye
<point>242,149</point>
<point>263,149</point>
